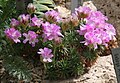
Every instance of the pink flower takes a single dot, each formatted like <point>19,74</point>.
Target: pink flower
<point>92,38</point>
<point>96,17</point>
<point>110,30</point>
<point>13,34</point>
<point>51,31</point>
<point>35,22</point>
<point>14,22</point>
<point>86,28</point>
<point>46,54</point>
<point>31,37</point>
<point>82,12</point>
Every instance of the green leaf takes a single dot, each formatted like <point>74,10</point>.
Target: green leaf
<point>89,54</point>
<point>51,6</point>
<point>47,2</point>
<point>0,49</point>
<point>17,67</point>
<point>40,14</point>
<point>4,42</point>
<point>41,7</point>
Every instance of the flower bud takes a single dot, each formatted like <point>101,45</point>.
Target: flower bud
<point>65,24</point>
<point>74,20</point>
<point>58,40</point>
<point>24,19</point>
<point>31,8</point>
<point>53,16</point>
<point>82,12</point>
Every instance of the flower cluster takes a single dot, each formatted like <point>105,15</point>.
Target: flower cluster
<point>23,20</point>
<point>93,27</point>
<point>96,30</point>
<point>51,31</point>
<point>31,37</point>
<point>13,34</point>
<point>27,27</point>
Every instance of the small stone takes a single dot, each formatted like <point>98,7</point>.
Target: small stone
<point>105,76</point>
<point>112,81</point>
<point>104,71</point>
<point>95,70</point>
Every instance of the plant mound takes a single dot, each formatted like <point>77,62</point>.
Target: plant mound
<point>65,46</point>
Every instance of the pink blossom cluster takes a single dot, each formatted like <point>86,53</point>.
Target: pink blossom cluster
<point>31,37</point>
<point>13,34</point>
<point>96,30</point>
<point>93,27</point>
<point>24,20</point>
<point>51,31</point>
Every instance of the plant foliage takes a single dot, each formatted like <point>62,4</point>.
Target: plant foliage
<point>42,6</point>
